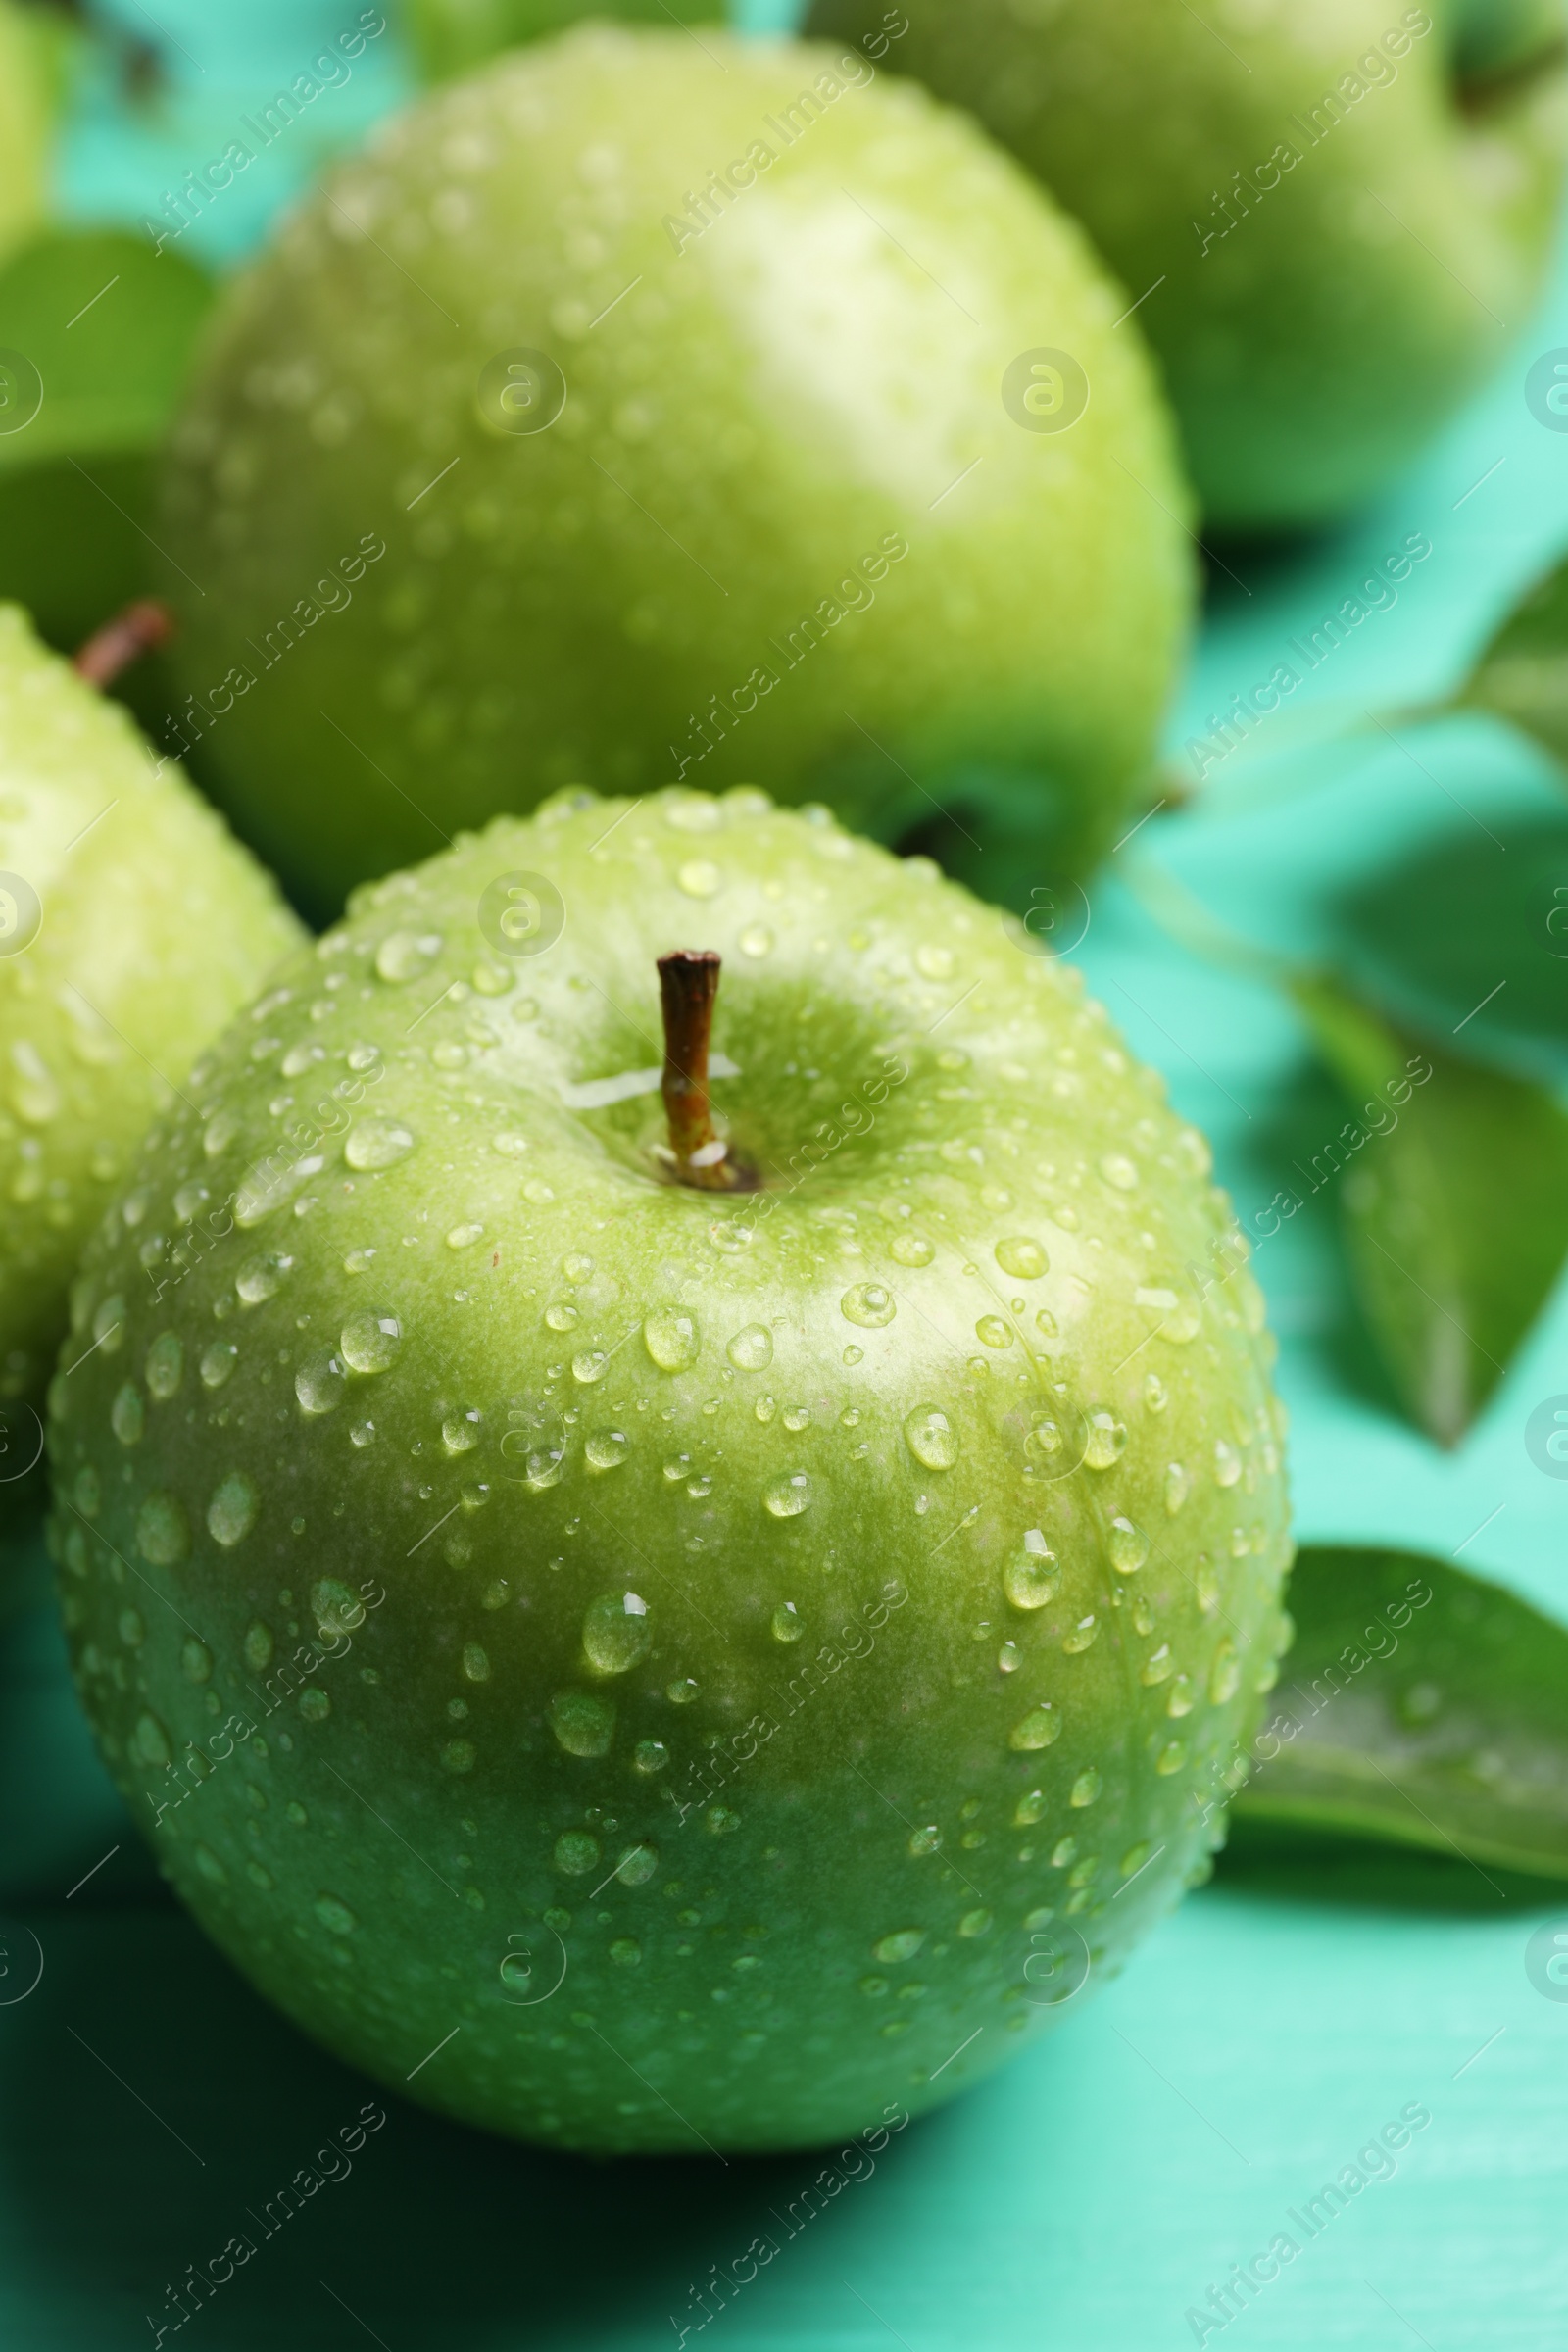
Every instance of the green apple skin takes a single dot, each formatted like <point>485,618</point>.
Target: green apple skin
<point>153,926</point>
<point>750,434</point>
<point>1315,334</point>
<point>615,1679</point>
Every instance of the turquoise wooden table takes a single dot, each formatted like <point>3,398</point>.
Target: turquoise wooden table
<point>1091,2197</point>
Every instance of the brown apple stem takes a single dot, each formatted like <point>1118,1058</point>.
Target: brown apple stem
<point>688,983</point>
<point>140,629</point>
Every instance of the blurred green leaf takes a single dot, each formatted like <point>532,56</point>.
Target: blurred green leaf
<point>1470,936</point>
<point>36,44</point>
<point>453,36</point>
<point>96,333</point>
<point>1522,673</point>
<point>1418,1706</point>
<point>1452,1184</point>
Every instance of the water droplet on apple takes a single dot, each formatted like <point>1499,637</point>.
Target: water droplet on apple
<point>1128,1546</point>
<point>615,1637</point>
<point>217,1362</point>
<point>334,1915</point>
<point>869,1304</point>
<point>901,1944</point>
<point>910,1249</point>
<point>788,1496</point>
<point>577,1853</point>
<point>607,1448</point>
<point>162,1532</point>
<point>671,1338</point>
<point>786,1624</point>
<point>1227,1464</point>
<point>1177,1487</point>
<point>1038,1729</point>
<point>262,1278</point>
<point>368,1344</point>
<point>698,878</point>
<point>852,1355</point>
<point>756,940</point>
<point>650,1756</point>
<point>1108,1441</point>
<point>995,1331</point>
<point>974,1923</point>
<point>638,1864</point>
<point>1082,1636</point>
<point>1225,1675</point>
<point>931,1437</point>
<point>927,1841</point>
<point>319,1385</point>
<point>935,962</point>
<point>1021,1257</point>
<point>764,1409</point>
<point>1032,1575</point>
<point>682,1692</point>
<point>1085,1789</point>
<point>374,1144</point>
<point>1029,1808</point>
<point>164,1366</point>
<point>590,1364</point>
<point>752,1348</point>
<point>127,1415</point>
<point>1118,1170</point>
<point>196,1660</point>
<point>403,954</point>
<point>625,1951</point>
<point>231,1512</point>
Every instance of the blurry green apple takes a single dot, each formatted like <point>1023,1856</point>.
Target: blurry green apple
<point>1335,217</point>
<point>638,1661</point>
<point>453,36</point>
<point>131,928</point>
<point>837,471</point>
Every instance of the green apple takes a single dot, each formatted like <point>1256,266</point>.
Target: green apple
<point>646,1663</point>
<point>131,928</point>
<point>532,452</point>
<point>1334,217</point>
<point>453,36</point>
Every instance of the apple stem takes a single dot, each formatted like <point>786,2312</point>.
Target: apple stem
<point>688,984</point>
<point>140,629</point>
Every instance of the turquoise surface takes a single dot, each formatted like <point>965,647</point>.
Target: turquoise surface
<point>1091,2193</point>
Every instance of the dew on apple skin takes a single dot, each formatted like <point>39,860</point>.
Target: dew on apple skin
<point>561,1315</point>
<point>910,1249</point>
<point>607,1448</point>
<point>650,1756</point>
<point>231,1509</point>
<point>127,1415</point>
<point>1107,1442</point>
<point>164,1366</point>
<point>1040,1728</point>
<point>403,954</point>
<point>699,1489</point>
<point>258,1645</point>
<point>752,1348</point>
<point>756,940</point>
<point>797,1417</point>
<point>1085,1789</point>
<point>870,1305</point>
<point>321,1386</point>
<point>589,1364</point>
<point>132,1628</point>
<point>195,1659</point>
<point>334,1915</point>
<point>162,1532</point>
<point>1016,1255</point>
<point>616,1633</point>
<point>764,1409</point>
<point>1033,1574</point>
<point>681,1691</point>
<point>1128,1546</point>
<point>785,1624</point>
<point>1178,1486</point>
<point>218,1363</point>
<point>315,1705</point>
<point>375,1144</point>
<point>1225,1675</point>
<point>638,1863</point>
<point>368,1344</point>
<point>1081,1637</point>
<point>931,1437</point>
<point>975,1923</point>
<point>901,1944</point>
<point>1171,1758</point>
<point>1227,1464</point>
<point>262,1278</point>
<point>1029,1808</point>
<point>788,1496</point>
<point>577,1853</point>
<point>671,1338</point>
<point>995,1331</point>
<point>700,878</point>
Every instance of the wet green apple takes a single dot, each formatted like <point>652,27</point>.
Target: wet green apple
<point>706,416</point>
<point>1335,217</point>
<point>648,1663</point>
<point>131,928</point>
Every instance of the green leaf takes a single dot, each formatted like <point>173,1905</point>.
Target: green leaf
<point>104,328</point>
<point>1522,673</point>
<point>454,37</point>
<point>34,46</point>
<point>1421,1707</point>
<point>1452,1184</point>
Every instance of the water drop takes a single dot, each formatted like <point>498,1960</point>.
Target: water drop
<point>1171,1757</point>
<point>764,1408</point>
<point>1021,1257</point>
<point>162,1532</point>
<point>927,1841</point>
<point>901,1944</point>
<point>650,1756</point>
<point>1107,1439</point>
<point>1157,1666</point>
<point>374,1144</point>
<point>993,1331</point>
<point>615,1633</point>
<point>583,1725</point>
<point>196,1660</point>
<point>1177,1487</point>
<point>1038,1729</point>
<point>319,1385</point>
<point>698,878</point>
<point>561,1315</point>
<point>1180,1700</point>
<point>1118,1170</point>
<point>671,1338</point>
<point>625,1951</point>
<point>756,940</point>
<point>370,1344</point>
<point>682,1693</point>
<point>1225,1675</point>
<point>335,1915</point>
<point>262,1278</point>
<point>589,1364</point>
<point>258,1645</point>
<point>315,1704</point>
<point>475,1662</point>
<point>607,1448</point>
<point>637,1864</point>
<point>149,1741</point>
<point>786,1624</point>
<point>931,1437</point>
<point>464,1237</point>
<point>217,1362</point>
<point>1227,1464</point>
<point>788,1496</point>
<point>910,1249</point>
<point>936,963</point>
<point>459,1755</point>
<point>164,1366</point>
<point>1081,1637</point>
<point>869,1304</point>
<point>403,954</point>
<point>1032,1575</point>
<point>1085,1789</point>
<point>1029,1810</point>
<point>577,1853</point>
<point>974,1923</point>
<point>127,1415</point>
<point>750,1349</point>
<point>231,1512</point>
<point>1128,1546</point>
